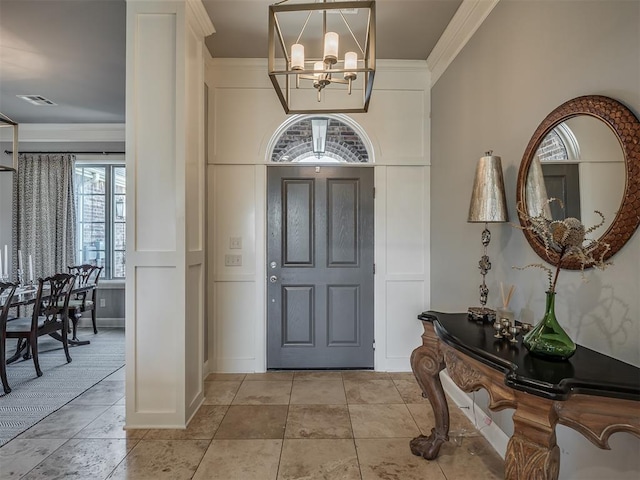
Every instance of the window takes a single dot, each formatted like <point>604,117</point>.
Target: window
<point>100,203</point>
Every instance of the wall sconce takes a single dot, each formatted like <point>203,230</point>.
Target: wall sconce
<point>488,205</point>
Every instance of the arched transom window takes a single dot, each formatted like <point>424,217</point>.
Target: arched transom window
<point>319,139</point>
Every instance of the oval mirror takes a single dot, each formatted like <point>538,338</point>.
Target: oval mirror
<point>586,153</point>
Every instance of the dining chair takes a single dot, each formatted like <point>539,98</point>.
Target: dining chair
<point>84,301</point>
<point>7,291</point>
<point>50,315</point>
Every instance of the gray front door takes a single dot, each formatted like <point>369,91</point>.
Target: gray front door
<point>320,267</point>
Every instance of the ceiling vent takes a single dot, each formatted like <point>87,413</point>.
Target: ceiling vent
<point>38,100</point>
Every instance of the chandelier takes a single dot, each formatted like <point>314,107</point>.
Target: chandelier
<point>310,37</point>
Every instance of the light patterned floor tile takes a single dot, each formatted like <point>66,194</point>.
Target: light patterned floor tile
<point>391,458</point>
<point>240,460</point>
<point>316,392</point>
<point>220,392</point>
<point>372,391</point>
<point>82,459</point>
<point>263,393</point>
<point>253,422</point>
<point>382,421</point>
<point>318,459</point>
<point>19,456</point>
<point>202,426</point>
<point>161,459</point>
<point>471,454</point>
<point>318,421</point>
<point>110,425</point>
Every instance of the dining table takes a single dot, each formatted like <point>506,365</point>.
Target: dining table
<point>26,295</point>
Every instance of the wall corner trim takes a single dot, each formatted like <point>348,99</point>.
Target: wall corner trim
<point>461,28</point>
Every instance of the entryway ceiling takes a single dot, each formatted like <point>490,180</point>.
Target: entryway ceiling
<point>73,51</point>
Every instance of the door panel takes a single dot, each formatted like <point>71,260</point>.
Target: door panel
<point>320,267</point>
<point>297,305</point>
<point>343,226</point>
<point>298,222</point>
<point>344,315</point>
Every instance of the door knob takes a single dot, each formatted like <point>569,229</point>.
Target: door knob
<point>273,279</point>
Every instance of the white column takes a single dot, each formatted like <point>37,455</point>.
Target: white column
<point>165,219</point>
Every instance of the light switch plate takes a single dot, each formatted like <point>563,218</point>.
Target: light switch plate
<point>233,260</point>
<point>235,243</point>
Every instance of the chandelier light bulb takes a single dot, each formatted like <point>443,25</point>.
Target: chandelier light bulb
<point>318,67</point>
<point>331,47</point>
<point>350,63</point>
<point>297,56</point>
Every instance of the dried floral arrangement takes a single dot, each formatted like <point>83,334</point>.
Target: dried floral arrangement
<point>567,239</point>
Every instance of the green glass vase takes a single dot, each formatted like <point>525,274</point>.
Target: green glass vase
<point>548,339</point>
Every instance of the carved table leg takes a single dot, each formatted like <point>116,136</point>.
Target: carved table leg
<point>532,452</point>
<point>426,363</point>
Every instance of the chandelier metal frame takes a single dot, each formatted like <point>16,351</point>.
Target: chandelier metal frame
<point>366,66</point>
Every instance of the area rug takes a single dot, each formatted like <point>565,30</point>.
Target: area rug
<point>32,398</point>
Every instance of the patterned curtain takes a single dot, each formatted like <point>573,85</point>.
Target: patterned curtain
<point>44,213</point>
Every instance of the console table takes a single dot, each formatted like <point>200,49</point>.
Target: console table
<point>591,393</point>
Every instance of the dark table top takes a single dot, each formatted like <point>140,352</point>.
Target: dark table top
<point>587,371</point>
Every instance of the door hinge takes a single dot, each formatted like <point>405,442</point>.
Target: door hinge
<point>374,344</point>
<point>374,192</point>
<point>374,268</point>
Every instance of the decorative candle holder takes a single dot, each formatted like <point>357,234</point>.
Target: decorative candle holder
<point>507,330</point>
<point>20,275</point>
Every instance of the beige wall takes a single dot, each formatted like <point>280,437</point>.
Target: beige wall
<point>526,59</point>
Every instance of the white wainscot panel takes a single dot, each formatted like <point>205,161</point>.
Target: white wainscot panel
<point>194,207</point>
<point>159,344</point>
<point>194,161</point>
<point>406,220</point>
<point>234,213</point>
<point>235,326</point>
<point>155,143</point>
<point>242,118</point>
<point>405,301</point>
<point>396,118</point>
<point>193,332</point>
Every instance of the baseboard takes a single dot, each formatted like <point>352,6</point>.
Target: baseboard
<point>397,364</point>
<point>102,322</point>
<point>234,365</point>
<point>488,428</point>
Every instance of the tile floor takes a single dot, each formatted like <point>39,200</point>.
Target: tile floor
<point>276,425</point>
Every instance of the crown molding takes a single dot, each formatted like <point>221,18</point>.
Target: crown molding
<point>201,17</point>
<point>467,19</point>
<point>67,132</point>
